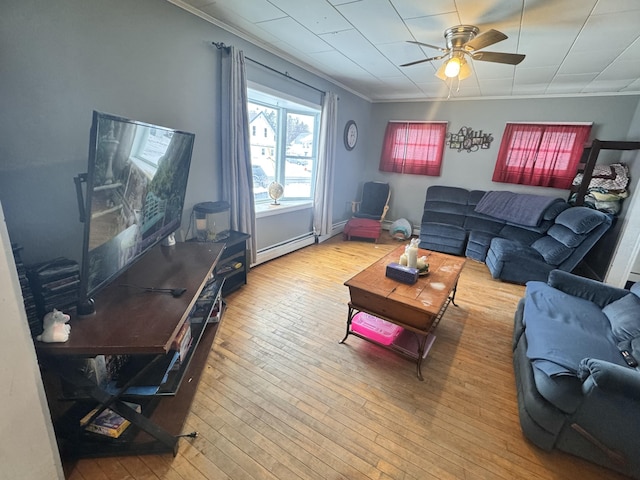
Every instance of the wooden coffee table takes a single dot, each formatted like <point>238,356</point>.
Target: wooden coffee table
<point>418,307</point>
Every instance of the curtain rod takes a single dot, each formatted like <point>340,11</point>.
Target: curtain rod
<point>220,45</point>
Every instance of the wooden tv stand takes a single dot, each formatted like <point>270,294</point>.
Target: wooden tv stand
<point>139,325</point>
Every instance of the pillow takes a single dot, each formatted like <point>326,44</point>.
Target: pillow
<point>580,219</point>
<point>554,210</point>
<point>624,316</point>
<point>566,236</point>
<point>553,252</point>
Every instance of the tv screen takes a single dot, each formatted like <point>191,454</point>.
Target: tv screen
<point>135,189</point>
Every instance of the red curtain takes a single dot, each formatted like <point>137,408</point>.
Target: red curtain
<point>540,154</point>
<point>414,148</point>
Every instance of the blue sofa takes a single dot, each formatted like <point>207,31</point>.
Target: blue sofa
<point>557,237</point>
<point>576,393</point>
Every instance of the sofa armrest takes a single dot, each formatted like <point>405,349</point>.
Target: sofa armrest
<point>609,377</point>
<point>597,292</point>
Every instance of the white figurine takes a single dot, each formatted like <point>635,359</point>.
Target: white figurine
<point>55,327</point>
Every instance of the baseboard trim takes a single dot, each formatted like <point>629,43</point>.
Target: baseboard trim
<point>336,229</point>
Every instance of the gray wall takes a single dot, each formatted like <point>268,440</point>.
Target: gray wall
<point>611,117</point>
<point>147,60</point>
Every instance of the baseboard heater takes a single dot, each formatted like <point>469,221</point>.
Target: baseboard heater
<point>283,248</point>
<point>293,244</point>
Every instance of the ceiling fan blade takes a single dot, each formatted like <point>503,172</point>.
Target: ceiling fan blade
<point>428,45</point>
<point>498,57</point>
<point>422,61</point>
<point>485,39</point>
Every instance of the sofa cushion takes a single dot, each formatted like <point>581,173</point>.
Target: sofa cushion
<point>624,316</point>
<point>554,210</point>
<point>562,329</point>
<point>566,236</point>
<point>553,252</point>
<point>482,223</point>
<point>447,194</point>
<point>580,219</point>
<point>524,236</point>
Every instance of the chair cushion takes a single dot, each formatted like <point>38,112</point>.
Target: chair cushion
<point>553,252</point>
<point>374,198</point>
<point>566,236</point>
<point>580,219</point>
<point>624,316</point>
<point>554,210</point>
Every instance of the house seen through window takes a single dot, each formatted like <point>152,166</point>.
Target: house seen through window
<point>284,145</point>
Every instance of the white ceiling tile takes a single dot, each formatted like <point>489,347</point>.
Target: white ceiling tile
<point>360,51</point>
<point>615,30</point>
<point>334,62</point>
<point>632,52</point>
<point>400,53</point>
<point>420,8</point>
<point>435,90</point>
<point>534,76</point>
<point>431,29</point>
<point>318,17</point>
<point>530,89</point>
<point>498,86</point>
<point>609,6</point>
<point>559,15</point>
<point>586,62</point>
<point>621,70</point>
<point>376,20</point>
<point>569,83</point>
<point>198,3</point>
<point>633,86</point>
<point>606,86</point>
<point>290,31</point>
<point>251,10</point>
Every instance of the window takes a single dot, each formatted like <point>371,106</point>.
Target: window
<point>287,153</point>
<point>413,147</point>
<point>544,155</point>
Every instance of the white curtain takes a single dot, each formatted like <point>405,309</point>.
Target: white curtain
<point>323,198</point>
<point>237,179</point>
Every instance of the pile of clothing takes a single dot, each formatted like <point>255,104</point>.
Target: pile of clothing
<point>607,188</point>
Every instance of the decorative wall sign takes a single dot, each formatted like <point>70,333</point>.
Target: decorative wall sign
<point>469,140</point>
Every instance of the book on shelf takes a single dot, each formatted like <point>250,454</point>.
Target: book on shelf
<point>182,342</point>
<point>108,423</point>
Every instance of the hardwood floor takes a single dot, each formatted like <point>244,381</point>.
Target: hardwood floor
<point>280,398</point>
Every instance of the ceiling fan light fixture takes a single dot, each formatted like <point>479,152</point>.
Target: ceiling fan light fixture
<point>465,71</point>
<point>452,68</point>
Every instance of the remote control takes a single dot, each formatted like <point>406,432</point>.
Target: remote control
<point>632,362</point>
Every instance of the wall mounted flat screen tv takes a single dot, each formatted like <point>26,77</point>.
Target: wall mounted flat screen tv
<point>135,189</point>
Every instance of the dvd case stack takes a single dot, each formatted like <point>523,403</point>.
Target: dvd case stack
<point>55,284</point>
<point>35,325</point>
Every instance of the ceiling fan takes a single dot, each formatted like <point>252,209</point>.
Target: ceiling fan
<point>463,41</point>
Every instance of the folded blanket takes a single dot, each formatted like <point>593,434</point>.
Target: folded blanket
<point>520,208</point>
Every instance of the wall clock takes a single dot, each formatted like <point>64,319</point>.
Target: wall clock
<point>350,135</point>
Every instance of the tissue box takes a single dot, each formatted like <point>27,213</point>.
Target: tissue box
<point>402,273</point>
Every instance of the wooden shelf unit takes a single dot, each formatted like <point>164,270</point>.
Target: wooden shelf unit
<point>235,251</point>
<point>141,325</point>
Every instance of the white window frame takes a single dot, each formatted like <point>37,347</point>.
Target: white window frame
<point>286,104</point>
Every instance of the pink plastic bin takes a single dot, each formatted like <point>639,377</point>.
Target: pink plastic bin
<point>375,328</point>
